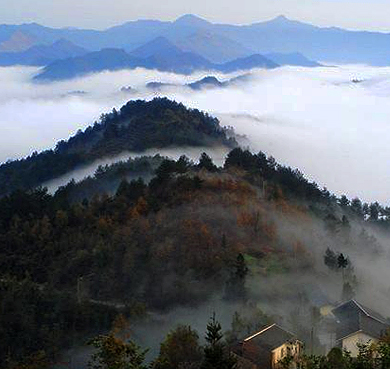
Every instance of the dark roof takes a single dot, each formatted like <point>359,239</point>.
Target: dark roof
<point>270,337</point>
<point>353,304</point>
<point>354,317</point>
<point>258,347</point>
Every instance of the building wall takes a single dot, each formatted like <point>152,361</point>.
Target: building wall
<point>350,343</point>
<point>281,352</point>
<point>326,310</point>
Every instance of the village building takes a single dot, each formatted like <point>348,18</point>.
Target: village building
<point>266,348</point>
<point>357,324</point>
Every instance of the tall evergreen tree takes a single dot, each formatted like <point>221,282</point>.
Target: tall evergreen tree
<point>235,287</point>
<point>207,163</point>
<point>330,259</point>
<point>343,201</point>
<point>216,354</point>
<point>342,261</point>
<point>357,207</point>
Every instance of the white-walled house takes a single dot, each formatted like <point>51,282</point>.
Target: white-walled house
<point>357,324</point>
<point>266,348</point>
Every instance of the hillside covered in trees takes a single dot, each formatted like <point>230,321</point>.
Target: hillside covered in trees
<point>137,126</point>
<point>70,264</point>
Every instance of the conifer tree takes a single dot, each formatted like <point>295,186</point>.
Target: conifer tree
<point>216,354</point>
<point>235,287</point>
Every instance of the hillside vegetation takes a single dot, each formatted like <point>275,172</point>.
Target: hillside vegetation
<point>137,126</point>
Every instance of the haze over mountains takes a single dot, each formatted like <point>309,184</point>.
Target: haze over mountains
<point>187,44</point>
<point>193,34</point>
<point>158,54</point>
<point>42,54</point>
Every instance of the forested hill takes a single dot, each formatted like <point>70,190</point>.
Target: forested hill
<point>181,239</point>
<point>137,126</point>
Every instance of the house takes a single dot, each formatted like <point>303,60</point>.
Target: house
<point>357,324</point>
<point>266,348</point>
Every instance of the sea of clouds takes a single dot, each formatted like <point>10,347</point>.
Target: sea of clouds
<point>330,122</point>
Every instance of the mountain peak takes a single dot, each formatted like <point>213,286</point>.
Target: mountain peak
<point>191,20</point>
<point>159,45</point>
<point>65,44</point>
<point>281,18</point>
<point>283,21</point>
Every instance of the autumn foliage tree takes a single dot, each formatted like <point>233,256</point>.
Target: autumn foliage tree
<point>114,353</point>
<point>180,349</point>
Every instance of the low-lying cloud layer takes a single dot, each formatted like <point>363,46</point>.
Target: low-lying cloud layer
<point>331,123</point>
<point>193,153</point>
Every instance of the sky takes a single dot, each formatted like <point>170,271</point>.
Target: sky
<point>100,14</point>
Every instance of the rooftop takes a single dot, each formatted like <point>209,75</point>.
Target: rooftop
<point>270,337</point>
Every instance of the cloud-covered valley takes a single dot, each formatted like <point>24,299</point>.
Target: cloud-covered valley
<point>331,123</point>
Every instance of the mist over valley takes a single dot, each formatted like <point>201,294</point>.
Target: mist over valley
<point>286,113</point>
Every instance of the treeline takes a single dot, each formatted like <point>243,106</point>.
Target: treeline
<point>107,178</point>
<point>181,349</point>
<point>137,126</point>
<point>292,182</point>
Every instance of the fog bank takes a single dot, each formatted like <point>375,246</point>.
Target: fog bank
<point>193,153</point>
<point>331,123</point>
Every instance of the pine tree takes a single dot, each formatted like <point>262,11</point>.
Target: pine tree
<point>241,268</point>
<point>235,287</point>
<point>343,201</point>
<point>207,163</point>
<point>342,261</point>
<point>216,354</point>
<point>357,208</point>
<point>330,259</point>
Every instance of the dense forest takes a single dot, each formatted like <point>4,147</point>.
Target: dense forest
<point>70,263</point>
<point>137,126</point>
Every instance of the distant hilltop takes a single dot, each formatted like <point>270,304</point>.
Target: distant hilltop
<point>139,125</point>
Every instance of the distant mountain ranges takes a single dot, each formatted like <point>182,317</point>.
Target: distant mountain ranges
<point>187,44</point>
<point>158,54</point>
<point>39,55</point>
